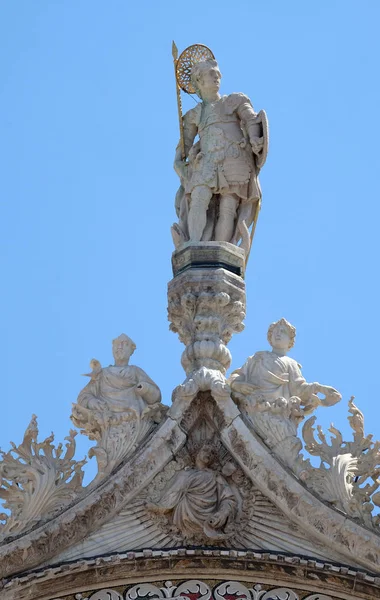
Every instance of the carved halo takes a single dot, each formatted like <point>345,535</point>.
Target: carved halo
<point>189,57</point>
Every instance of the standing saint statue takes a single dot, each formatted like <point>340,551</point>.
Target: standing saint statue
<point>219,196</point>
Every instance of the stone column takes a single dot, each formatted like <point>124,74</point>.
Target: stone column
<point>206,302</point>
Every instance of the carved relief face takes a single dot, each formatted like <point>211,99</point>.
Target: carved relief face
<point>281,337</point>
<point>204,457</point>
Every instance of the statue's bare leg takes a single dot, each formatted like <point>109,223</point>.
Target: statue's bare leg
<point>227,213</point>
<point>200,199</point>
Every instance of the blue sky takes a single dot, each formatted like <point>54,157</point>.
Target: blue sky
<point>89,127</point>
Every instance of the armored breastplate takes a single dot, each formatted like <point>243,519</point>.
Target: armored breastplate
<point>213,114</point>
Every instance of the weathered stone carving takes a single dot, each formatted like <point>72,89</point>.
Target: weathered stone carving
<point>117,408</point>
<point>200,590</point>
<point>203,495</point>
<point>37,481</point>
<point>200,501</point>
<point>205,307</point>
<point>205,323</point>
<point>105,594</point>
<point>348,476</point>
<point>220,192</point>
<point>273,394</point>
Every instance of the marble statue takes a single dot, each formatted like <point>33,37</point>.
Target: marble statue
<point>271,390</point>
<point>200,501</point>
<point>219,191</point>
<point>118,406</point>
<point>268,377</point>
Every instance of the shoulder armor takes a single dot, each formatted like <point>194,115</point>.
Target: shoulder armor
<point>193,116</point>
<point>233,101</point>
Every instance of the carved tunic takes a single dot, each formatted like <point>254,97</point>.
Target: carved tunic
<point>274,377</point>
<point>115,390</point>
<point>223,159</point>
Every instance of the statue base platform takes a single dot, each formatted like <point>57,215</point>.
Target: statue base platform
<point>209,255</point>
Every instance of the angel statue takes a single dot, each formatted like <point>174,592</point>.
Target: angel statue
<point>118,407</point>
<point>219,196</point>
<point>272,392</point>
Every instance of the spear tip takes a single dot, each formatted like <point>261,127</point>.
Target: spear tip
<point>174,50</point>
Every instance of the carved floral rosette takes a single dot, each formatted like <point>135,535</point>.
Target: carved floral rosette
<point>200,590</point>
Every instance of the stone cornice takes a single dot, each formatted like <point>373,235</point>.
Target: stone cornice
<point>150,565</point>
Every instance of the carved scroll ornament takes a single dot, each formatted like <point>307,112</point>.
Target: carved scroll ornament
<point>200,590</point>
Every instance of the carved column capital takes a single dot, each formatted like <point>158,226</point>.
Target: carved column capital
<point>206,304</point>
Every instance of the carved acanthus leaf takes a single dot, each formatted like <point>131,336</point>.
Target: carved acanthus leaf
<point>348,474</point>
<point>37,481</point>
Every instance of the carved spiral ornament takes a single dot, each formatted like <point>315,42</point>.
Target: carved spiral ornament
<point>189,57</point>
<point>200,590</point>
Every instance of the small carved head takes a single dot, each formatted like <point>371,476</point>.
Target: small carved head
<point>205,75</point>
<point>205,455</point>
<point>122,349</point>
<point>281,334</point>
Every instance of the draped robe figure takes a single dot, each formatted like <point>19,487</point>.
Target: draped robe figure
<point>271,390</point>
<point>200,501</point>
<point>270,377</point>
<point>115,390</point>
<point>118,407</point>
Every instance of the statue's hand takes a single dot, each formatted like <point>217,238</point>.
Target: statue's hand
<point>217,520</point>
<point>244,387</point>
<point>180,167</point>
<point>257,144</point>
<point>332,396</point>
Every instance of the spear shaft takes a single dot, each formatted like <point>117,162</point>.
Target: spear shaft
<point>179,102</point>
<point>256,216</point>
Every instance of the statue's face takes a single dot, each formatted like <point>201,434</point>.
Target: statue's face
<point>205,456</point>
<point>281,337</point>
<point>121,351</point>
<point>209,80</point>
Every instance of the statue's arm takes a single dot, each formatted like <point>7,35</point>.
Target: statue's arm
<point>308,391</point>
<point>87,397</point>
<point>146,388</point>
<point>248,117</point>
<point>297,383</point>
<point>190,130</point>
<point>227,504</point>
<point>239,380</point>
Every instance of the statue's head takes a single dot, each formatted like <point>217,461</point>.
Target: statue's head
<point>122,349</point>
<point>281,335</point>
<point>205,455</point>
<point>205,76</point>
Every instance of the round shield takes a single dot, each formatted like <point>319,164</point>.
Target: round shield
<point>262,118</point>
<point>189,57</point>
